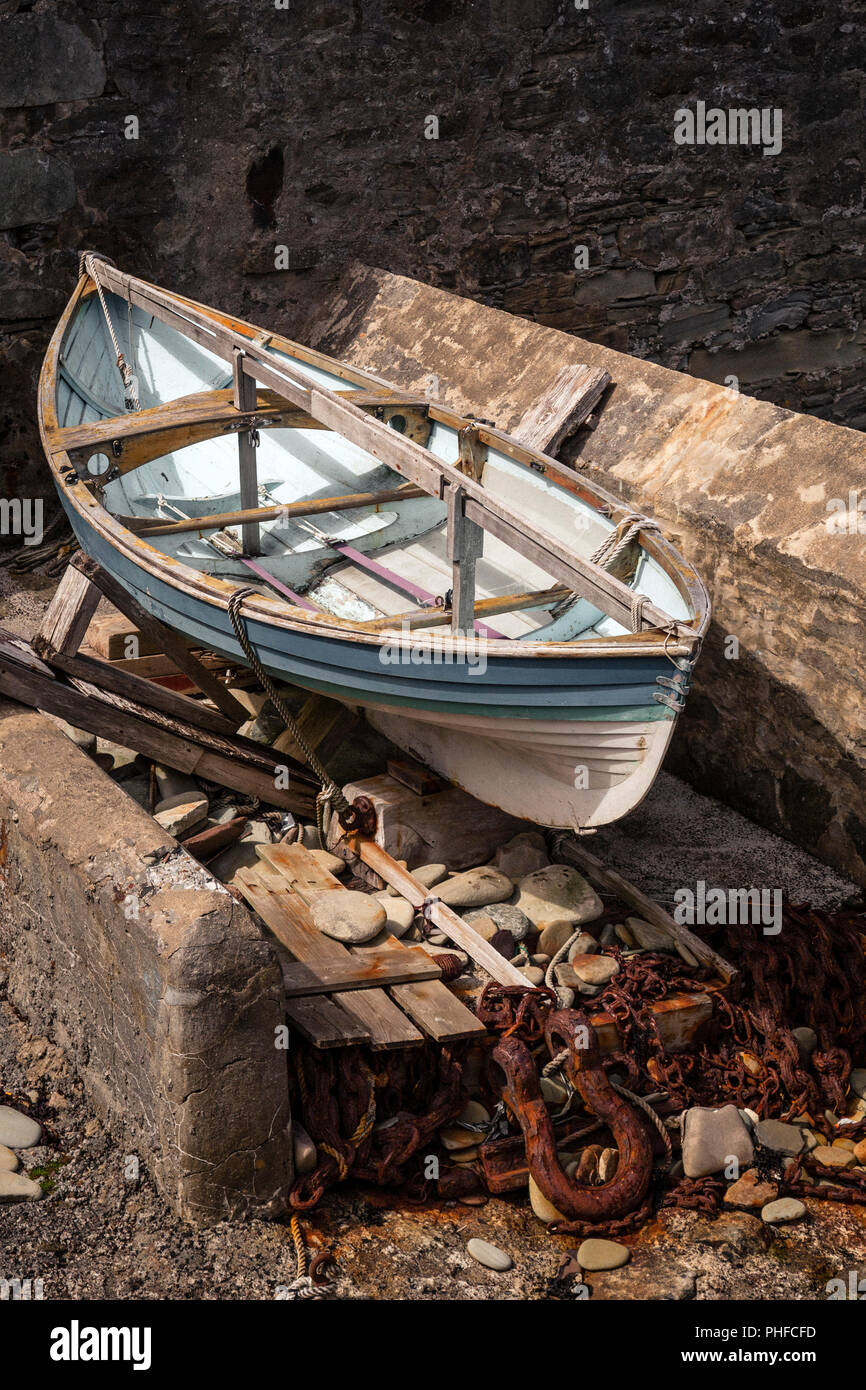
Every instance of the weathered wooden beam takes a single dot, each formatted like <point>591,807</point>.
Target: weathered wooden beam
<point>417,618</point>
<point>248,441</point>
<point>447,921</point>
<point>372,969</point>
<point>312,507</point>
<point>68,614</point>
<point>465,543</point>
<point>172,645</point>
<point>558,411</point>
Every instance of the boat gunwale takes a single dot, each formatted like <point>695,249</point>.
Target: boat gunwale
<point>277,612</point>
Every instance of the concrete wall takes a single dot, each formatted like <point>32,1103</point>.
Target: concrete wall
<point>156,983</point>
<point>751,494</point>
<point>305,127</point>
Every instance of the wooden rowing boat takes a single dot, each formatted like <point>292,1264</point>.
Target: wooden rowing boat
<point>499,616</point>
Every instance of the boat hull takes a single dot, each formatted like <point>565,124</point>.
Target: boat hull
<point>567,741</point>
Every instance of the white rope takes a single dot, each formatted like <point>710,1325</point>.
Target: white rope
<point>131,400</point>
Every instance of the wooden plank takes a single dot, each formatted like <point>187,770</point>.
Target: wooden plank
<point>558,411</point>
<point>239,763</point>
<point>417,618</point>
<point>172,645</point>
<point>244,389</point>
<point>447,921</point>
<point>377,966</point>
<point>68,615</point>
<point>289,919</point>
<point>113,637</point>
<point>312,507</point>
<point>316,718</point>
<point>325,1023</point>
<point>572,852</point>
<point>431,1004</point>
<point>144,692</point>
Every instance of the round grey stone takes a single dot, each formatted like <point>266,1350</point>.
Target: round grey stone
<point>489,1255</point>
<point>506,916</point>
<point>784,1210</point>
<point>18,1131</point>
<point>347,915</point>
<point>595,1254</point>
<point>16,1187</point>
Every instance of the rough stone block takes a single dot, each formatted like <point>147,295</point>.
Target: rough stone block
<point>153,979</point>
<point>34,187</point>
<point>46,58</point>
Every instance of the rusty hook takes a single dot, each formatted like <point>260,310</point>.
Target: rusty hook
<point>520,1088</point>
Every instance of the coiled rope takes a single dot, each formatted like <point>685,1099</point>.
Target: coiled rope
<point>87,261</point>
<point>330,795</point>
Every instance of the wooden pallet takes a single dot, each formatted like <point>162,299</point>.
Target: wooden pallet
<point>345,995</point>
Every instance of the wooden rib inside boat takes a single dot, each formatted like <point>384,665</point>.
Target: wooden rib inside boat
<point>500,617</point>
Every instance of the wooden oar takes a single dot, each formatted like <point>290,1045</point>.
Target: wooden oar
<point>144,527</point>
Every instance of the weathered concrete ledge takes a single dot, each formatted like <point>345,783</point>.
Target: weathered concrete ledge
<point>762,501</point>
<point>158,985</point>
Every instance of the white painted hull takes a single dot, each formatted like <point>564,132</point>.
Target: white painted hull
<point>563,773</point>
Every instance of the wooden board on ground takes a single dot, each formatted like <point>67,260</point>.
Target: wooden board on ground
<point>289,919</point>
<point>431,1004</point>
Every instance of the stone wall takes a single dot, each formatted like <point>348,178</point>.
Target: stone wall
<point>154,981</point>
<point>190,141</point>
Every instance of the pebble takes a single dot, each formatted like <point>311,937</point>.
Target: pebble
<point>806,1040</point>
<point>306,1157</point>
<point>832,1157</point>
<point>331,863</point>
<point>860,1151</point>
<point>542,1208</point>
<point>594,970</point>
<point>686,955</point>
<point>844,1144</point>
<point>347,915</point>
<point>474,1113</point>
<point>608,934</point>
<point>784,1210</point>
<point>565,995</point>
<point>454,1138</point>
<point>428,875</point>
<point>482,924</point>
<point>489,1255</point>
<point>177,814</point>
<point>15,1187</point>
<point>475,888</point>
<point>241,855</point>
<point>507,918</point>
<point>521,856</point>
<point>553,937</point>
<point>781,1138</point>
<point>553,1092</point>
<point>18,1131</point>
<point>607,1164</point>
<point>309,837</point>
<point>711,1138</point>
<point>624,933</point>
<point>649,936</point>
<point>749,1192</point>
<point>596,1255</point>
<point>399,914</point>
<point>857,1081</point>
<point>585,945</point>
<point>466,1155</point>
<point>534,975</point>
<point>438,938</point>
<point>8,1160</point>
<point>558,894</point>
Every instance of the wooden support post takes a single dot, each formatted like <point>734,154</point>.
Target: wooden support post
<point>68,615</point>
<point>245,400</point>
<point>168,641</point>
<point>465,544</point>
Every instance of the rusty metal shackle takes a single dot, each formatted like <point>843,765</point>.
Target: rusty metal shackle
<point>569,1031</point>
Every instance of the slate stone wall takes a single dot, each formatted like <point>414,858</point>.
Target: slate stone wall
<point>303,124</point>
